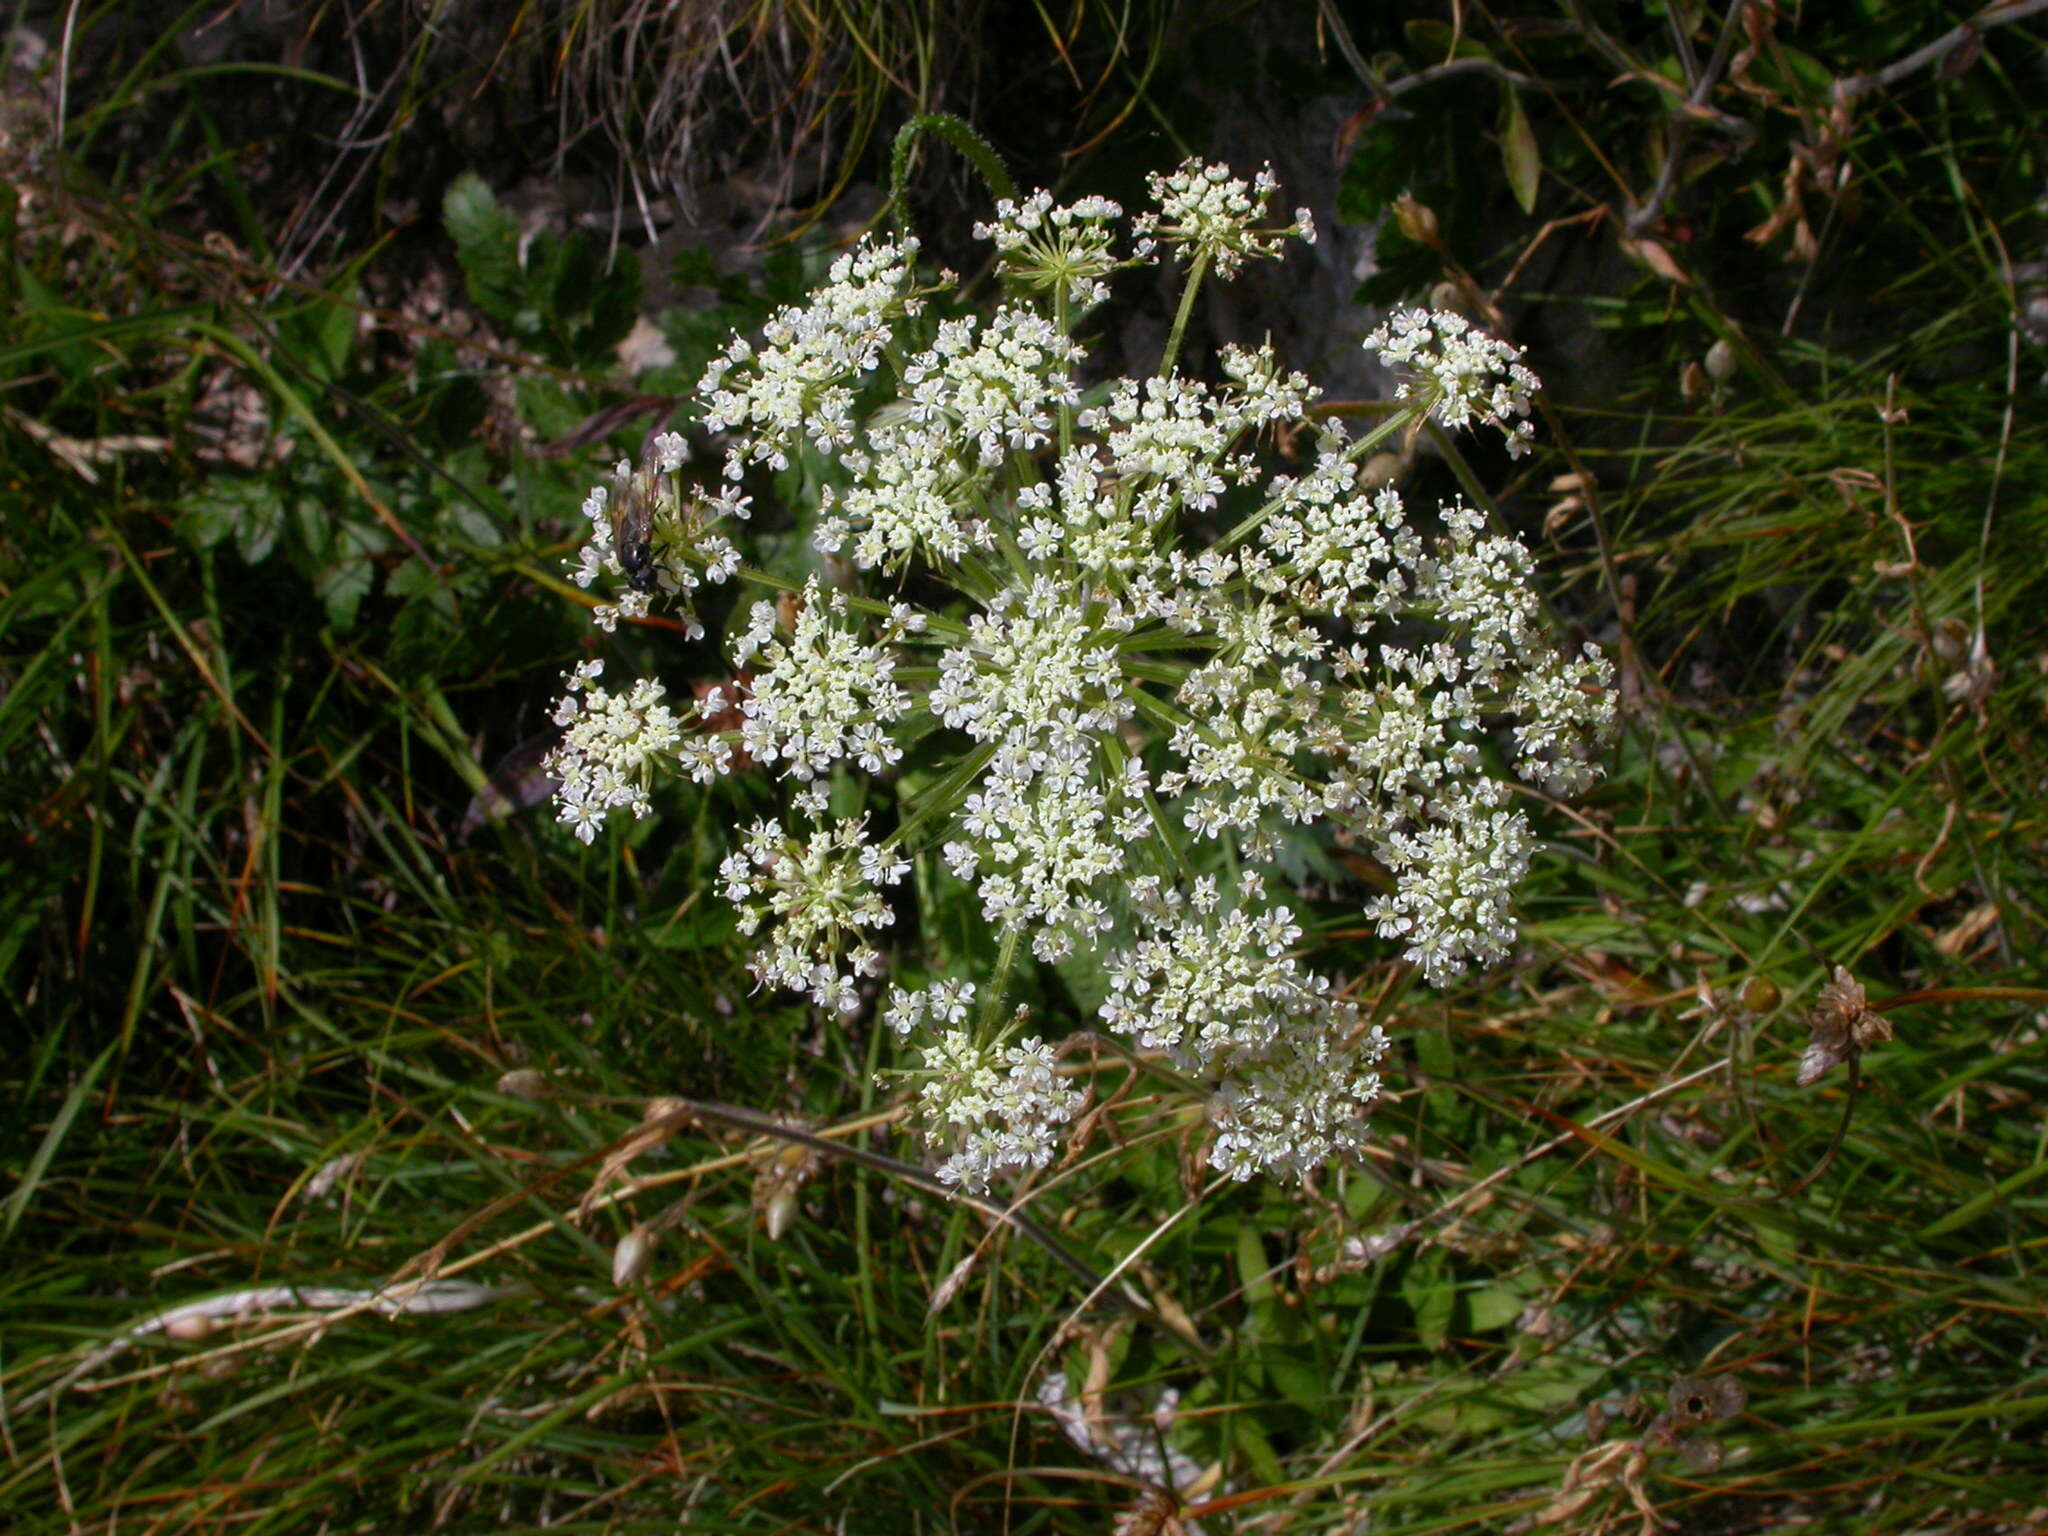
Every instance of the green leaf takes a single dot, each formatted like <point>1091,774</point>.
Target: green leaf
<point>1405,266</point>
<point>613,307</point>
<point>486,240</point>
<point>1431,1294</point>
<point>1299,1382</point>
<point>1519,155</point>
<point>246,511</point>
<point>1251,1264</point>
<point>1491,1307</point>
<point>1249,1440</point>
<point>321,334</point>
<point>342,587</point>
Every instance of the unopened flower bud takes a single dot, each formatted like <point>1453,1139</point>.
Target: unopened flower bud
<point>1721,361</point>
<point>189,1329</point>
<point>1759,994</point>
<point>1416,220</point>
<point>631,1258</point>
<point>779,1213</point>
<point>1381,469</point>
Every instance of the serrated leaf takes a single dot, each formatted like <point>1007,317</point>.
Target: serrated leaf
<point>475,524</point>
<point>1520,155</point>
<point>321,335</point>
<point>486,237</point>
<point>1405,266</point>
<point>260,521</point>
<point>342,587</point>
<point>1383,161</point>
<point>224,509</point>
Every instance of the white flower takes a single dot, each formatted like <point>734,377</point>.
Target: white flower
<point>993,1107</point>
<point>800,382</point>
<point>1473,375</point>
<point>1112,671</point>
<point>1061,249</point>
<point>610,744</point>
<point>821,695</point>
<point>1214,215</point>
<point>1301,1106</point>
<point>819,898</point>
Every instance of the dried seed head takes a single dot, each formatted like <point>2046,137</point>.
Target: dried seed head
<point>1951,639</point>
<point>631,1258</point>
<point>948,1288</point>
<point>220,1367</point>
<point>190,1329</point>
<point>1154,1514</point>
<point>1843,1026</point>
<point>779,1212</point>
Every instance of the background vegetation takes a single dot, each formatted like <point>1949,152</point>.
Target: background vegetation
<point>313,340</point>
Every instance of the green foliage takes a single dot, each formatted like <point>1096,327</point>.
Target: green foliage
<point>557,296</point>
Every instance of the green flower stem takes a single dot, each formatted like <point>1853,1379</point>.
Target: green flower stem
<point>998,983</point>
<point>1063,319</point>
<point>1196,270</point>
<point>942,799</point>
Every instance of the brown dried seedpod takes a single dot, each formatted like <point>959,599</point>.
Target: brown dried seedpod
<point>523,1083</point>
<point>1843,1026</point>
<point>1699,1400</point>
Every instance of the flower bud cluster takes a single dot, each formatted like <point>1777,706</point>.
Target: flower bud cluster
<point>1112,663</point>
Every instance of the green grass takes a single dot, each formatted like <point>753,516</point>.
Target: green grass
<point>267,973</point>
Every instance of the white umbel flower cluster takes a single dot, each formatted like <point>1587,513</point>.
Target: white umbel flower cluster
<point>992,1108</point>
<point>1474,376</point>
<point>611,744</point>
<point>1213,216</point>
<point>1104,663</point>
